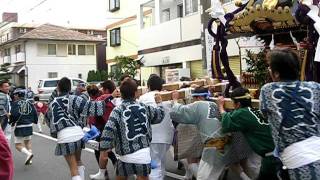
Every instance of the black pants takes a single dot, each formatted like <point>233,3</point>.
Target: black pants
<point>111,156</point>
<point>3,122</point>
<point>271,169</point>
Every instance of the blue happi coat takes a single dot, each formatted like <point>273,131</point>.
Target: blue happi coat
<point>293,111</point>
<point>69,110</point>
<point>23,115</point>
<point>129,127</point>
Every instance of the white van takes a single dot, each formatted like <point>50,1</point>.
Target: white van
<point>47,86</point>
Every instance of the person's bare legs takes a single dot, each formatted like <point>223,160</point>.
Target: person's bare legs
<point>28,145</point>
<point>121,177</point>
<point>19,146</point>
<point>103,159</point>
<point>142,177</point>
<point>72,163</point>
<point>80,167</point>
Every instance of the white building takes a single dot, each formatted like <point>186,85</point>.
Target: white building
<point>173,38</point>
<point>47,51</point>
<point>170,37</point>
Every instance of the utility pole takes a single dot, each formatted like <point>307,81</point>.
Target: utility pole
<point>205,17</point>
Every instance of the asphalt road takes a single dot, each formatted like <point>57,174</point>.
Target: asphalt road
<point>47,166</point>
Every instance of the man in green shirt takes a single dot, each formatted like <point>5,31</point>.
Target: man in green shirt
<point>254,127</point>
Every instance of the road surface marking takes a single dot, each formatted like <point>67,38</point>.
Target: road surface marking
<point>54,139</point>
<point>169,174</point>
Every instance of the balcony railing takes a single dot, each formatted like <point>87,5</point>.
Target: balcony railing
<point>20,57</point>
<point>7,59</point>
<point>170,32</point>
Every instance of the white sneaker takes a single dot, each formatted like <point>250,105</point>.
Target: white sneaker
<point>29,157</point>
<point>98,176</point>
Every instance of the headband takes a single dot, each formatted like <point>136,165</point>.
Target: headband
<point>200,94</point>
<point>246,96</point>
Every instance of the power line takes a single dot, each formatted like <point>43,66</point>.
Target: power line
<point>24,13</point>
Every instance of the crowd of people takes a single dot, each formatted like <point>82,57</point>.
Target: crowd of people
<point>278,140</point>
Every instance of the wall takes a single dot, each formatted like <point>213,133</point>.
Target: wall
<point>70,66</point>
<point>129,39</point>
<point>181,29</point>
<point>127,8</point>
<point>172,56</point>
<point>172,5</point>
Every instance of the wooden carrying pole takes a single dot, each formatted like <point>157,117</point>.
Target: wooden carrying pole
<point>166,95</point>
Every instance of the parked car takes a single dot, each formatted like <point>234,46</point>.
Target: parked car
<point>47,86</point>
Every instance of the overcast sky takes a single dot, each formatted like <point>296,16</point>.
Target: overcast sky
<point>78,13</point>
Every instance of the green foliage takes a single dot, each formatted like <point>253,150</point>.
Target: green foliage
<point>124,65</point>
<point>98,76</point>
<point>90,76</point>
<point>95,76</point>
<point>257,64</point>
<point>104,75</point>
<point>4,71</point>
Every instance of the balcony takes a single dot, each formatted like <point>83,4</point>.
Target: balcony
<point>171,32</point>
<point>20,57</point>
<point>7,59</point>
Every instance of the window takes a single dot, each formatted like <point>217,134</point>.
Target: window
<point>90,32</point>
<point>115,37</point>
<point>7,52</point>
<point>22,30</point>
<point>81,49</point>
<point>191,6</point>
<point>18,48</point>
<point>165,15</point>
<point>52,49</point>
<point>51,83</point>
<point>86,50</point>
<point>113,68</point>
<point>114,5</point>
<point>89,50</point>
<point>71,49</point>
<point>180,10</point>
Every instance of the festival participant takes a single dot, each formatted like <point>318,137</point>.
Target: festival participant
<point>23,115</point>
<point>6,160</point>
<point>108,87</point>
<point>82,91</point>
<point>162,133</point>
<point>41,108</point>
<point>255,128</point>
<point>63,118</point>
<point>129,131</point>
<point>292,108</point>
<point>4,105</point>
<point>216,155</point>
<point>204,115</point>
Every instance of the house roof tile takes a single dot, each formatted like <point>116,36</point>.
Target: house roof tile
<point>53,32</point>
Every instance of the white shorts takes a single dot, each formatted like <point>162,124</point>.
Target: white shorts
<point>21,139</point>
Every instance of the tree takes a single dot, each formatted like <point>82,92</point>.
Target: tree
<point>124,65</point>
<point>257,64</point>
<point>91,76</point>
<point>104,75</point>
<point>4,71</point>
<point>98,76</point>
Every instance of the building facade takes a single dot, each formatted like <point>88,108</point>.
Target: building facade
<point>48,51</point>
<point>164,34</point>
